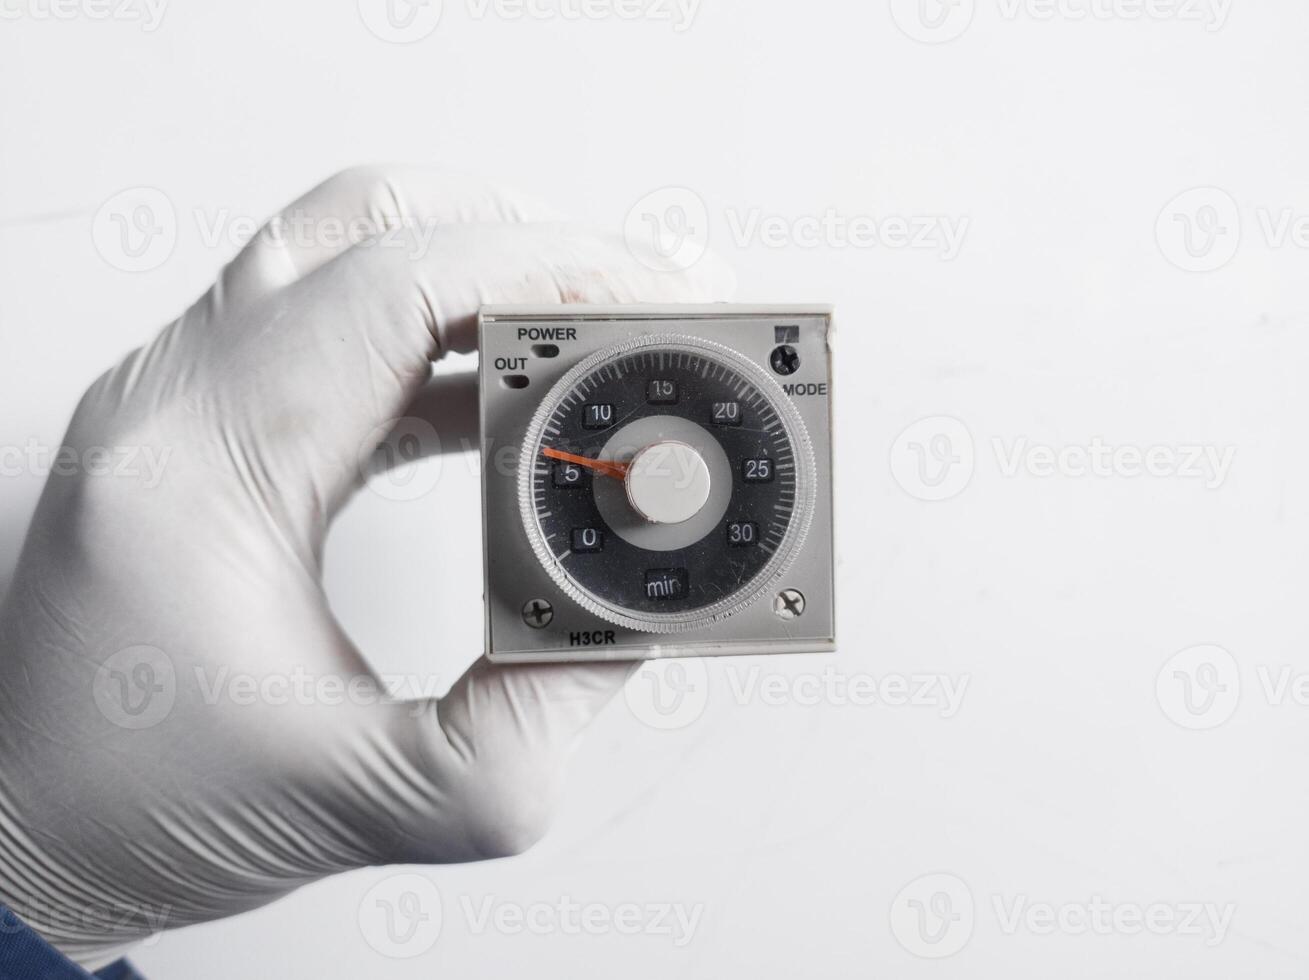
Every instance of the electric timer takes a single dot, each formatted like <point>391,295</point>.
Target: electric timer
<point>656,481</point>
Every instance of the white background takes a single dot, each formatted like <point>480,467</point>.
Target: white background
<point>1058,600</point>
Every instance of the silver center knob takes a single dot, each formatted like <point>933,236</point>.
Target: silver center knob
<point>667,482</point>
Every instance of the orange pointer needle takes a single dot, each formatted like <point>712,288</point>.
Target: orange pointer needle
<point>605,468</point>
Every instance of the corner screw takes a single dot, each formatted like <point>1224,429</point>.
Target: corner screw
<point>537,613</point>
<point>789,604</point>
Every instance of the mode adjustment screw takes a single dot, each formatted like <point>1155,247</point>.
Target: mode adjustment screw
<point>785,359</point>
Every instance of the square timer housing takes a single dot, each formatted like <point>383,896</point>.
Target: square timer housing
<point>656,481</point>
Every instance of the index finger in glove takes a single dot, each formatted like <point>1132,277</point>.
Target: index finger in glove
<point>347,347</point>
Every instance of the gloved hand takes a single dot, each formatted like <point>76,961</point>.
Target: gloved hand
<point>132,797</point>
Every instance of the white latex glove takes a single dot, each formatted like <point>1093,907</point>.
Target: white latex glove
<point>116,822</point>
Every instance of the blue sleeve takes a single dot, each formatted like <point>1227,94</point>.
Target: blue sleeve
<point>26,956</point>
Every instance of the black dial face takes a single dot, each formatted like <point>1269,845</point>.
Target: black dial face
<point>694,528</point>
